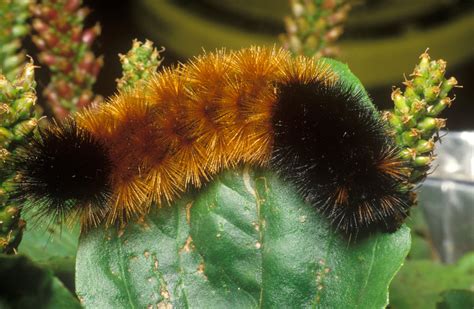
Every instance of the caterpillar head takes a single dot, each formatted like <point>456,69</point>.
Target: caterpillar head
<point>63,170</point>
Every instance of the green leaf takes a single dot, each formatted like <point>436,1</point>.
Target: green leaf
<point>245,240</point>
<point>42,243</point>
<point>64,269</point>
<point>456,299</point>
<point>23,284</point>
<point>419,282</point>
<point>422,246</point>
<point>52,247</point>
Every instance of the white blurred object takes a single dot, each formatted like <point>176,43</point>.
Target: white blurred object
<point>455,156</point>
<point>447,196</point>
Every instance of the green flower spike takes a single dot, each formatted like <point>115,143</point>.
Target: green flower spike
<point>13,27</point>
<point>17,121</point>
<point>314,27</point>
<point>414,119</point>
<point>139,64</point>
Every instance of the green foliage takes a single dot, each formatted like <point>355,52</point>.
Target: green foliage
<point>245,240</point>
<point>13,28</point>
<point>419,282</point>
<point>45,243</point>
<point>51,246</point>
<point>422,243</point>
<point>456,299</point>
<point>23,284</point>
<point>17,121</point>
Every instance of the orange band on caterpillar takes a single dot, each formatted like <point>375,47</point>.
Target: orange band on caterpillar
<point>256,106</point>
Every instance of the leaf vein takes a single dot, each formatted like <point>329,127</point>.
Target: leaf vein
<point>123,273</point>
<point>371,264</point>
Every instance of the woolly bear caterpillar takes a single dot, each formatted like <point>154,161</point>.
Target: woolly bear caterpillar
<point>255,106</point>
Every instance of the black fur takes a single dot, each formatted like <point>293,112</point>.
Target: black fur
<point>63,168</point>
<point>329,137</point>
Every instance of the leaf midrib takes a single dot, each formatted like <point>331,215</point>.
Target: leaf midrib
<point>372,258</point>
<point>254,193</point>
<point>180,268</point>
<point>122,271</point>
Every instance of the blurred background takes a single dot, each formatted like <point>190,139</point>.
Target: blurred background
<point>381,39</point>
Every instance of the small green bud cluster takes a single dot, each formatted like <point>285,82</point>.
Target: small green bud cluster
<point>17,122</point>
<point>414,118</point>
<point>65,48</point>
<point>139,64</point>
<point>13,28</point>
<point>314,27</point>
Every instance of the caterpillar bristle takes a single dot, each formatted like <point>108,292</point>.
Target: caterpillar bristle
<point>258,106</point>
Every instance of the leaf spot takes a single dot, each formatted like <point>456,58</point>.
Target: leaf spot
<point>188,212</point>
<point>141,221</point>
<point>246,177</point>
<point>302,219</point>
<point>188,245</point>
<point>146,254</point>
<point>164,305</point>
<point>164,292</point>
<point>256,226</point>
<point>120,232</point>
<point>258,245</point>
<point>201,268</point>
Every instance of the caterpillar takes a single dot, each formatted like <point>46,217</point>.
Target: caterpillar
<point>258,106</point>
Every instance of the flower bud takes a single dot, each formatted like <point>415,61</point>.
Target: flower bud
<point>424,146</point>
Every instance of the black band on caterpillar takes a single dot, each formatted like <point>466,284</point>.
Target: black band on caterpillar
<point>64,170</point>
<point>335,149</point>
